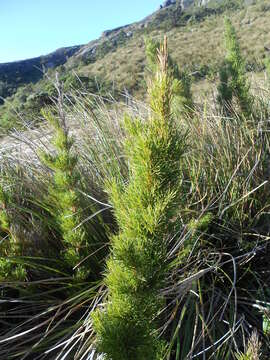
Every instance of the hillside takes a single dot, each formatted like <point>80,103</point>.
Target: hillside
<point>194,30</point>
<point>17,73</point>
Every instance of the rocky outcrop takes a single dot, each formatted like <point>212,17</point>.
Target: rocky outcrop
<point>184,4</point>
<point>107,33</point>
<point>168,3</point>
<point>205,2</point>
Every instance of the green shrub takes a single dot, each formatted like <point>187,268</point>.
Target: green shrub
<point>24,233</point>
<point>181,86</point>
<point>10,245</point>
<point>144,208</point>
<point>253,351</point>
<point>233,81</point>
<point>66,201</point>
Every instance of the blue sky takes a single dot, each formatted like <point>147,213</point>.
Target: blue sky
<point>31,28</point>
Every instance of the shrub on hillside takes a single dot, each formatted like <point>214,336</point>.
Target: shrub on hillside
<point>233,80</point>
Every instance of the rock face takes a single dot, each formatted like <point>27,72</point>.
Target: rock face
<point>188,3</point>
<point>107,33</point>
<point>205,2</point>
<point>168,3</point>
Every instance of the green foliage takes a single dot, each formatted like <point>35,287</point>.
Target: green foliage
<point>233,81</point>
<point>253,349</point>
<point>10,244</point>
<point>66,199</point>
<point>181,86</point>
<point>266,323</point>
<point>22,224</point>
<point>267,68</point>
<point>201,224</point>
<point>143,208</point>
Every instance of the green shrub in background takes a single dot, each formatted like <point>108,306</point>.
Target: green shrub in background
<point>26,227</point>
<point>233,81</point>
<point>66,201</point>
<point>11,245</point>
<point>144,208</point>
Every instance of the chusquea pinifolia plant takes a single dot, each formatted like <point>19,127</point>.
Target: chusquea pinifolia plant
<point>66,203</point>
<point>144,207</point>
<point>233,80</point>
